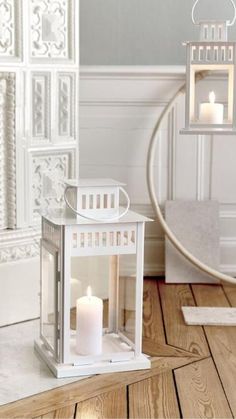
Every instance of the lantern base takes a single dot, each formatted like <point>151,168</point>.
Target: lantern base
<point>103,367</point>
<point>208,131</point>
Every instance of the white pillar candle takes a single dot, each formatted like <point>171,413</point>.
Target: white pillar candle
<point>211,113</point>
<point>89,316</point>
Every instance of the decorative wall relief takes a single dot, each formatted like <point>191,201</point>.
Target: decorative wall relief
<point>10,135</point>
<point>7,151</point>
<point>66,89</point>
<point>38,110</point>
<point>49,169</point>
<point>41,106</point>
<point>3,206</point>
<point>19,244</point>
<point>52,35</point>
<point>10,30</point>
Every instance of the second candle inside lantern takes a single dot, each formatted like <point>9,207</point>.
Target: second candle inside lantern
<point>211,113</point>
<point>89,325</point>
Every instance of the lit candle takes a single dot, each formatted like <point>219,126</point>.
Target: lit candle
<point>89,316</point>
<point>211,113</point>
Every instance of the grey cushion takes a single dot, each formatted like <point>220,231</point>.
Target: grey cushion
<point>196,225</point>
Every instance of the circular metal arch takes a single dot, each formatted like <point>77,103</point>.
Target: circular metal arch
<point>152,193</point>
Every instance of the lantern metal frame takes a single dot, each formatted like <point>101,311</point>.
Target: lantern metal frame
<point>65,236</point>
<point>211,53</point>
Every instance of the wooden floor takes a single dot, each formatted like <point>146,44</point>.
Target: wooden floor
<point>193,372</point>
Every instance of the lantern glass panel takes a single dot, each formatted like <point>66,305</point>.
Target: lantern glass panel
<point>49,299</point>
<point>111,281</point>
<point>127,296</point>
<point>88,271</point>
<point>211,100</point>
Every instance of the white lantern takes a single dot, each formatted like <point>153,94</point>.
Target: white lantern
<point>214,54</point>
<point>93,271</point>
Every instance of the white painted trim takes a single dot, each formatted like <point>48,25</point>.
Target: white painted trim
<point>228,269</point>
<point>201,153</point>
<point>138,75</point>
<point>228,214</point>
<point>133,72</point>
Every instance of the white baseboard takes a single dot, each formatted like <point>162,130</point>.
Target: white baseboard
<point>19,295</point>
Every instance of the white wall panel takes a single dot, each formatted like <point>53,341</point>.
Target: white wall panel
<point>11,30</point>
<point>119,109</point>
<point>224,170</point>
<point>20,293</point>
<point>39,55</point>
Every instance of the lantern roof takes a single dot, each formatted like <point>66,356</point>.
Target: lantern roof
<point>92,182</point>
<point>61,218</point>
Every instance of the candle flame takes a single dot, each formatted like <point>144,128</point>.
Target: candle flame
<point>89,292</point>
<point>212,97</point>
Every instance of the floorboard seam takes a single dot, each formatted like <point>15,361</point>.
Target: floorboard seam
<point>216,368</point>
<point>222,385</point>
<point>226,296</point>
<point>75,412</point>
<point>162,312</point>
<point>127,400</point>
<point>203,329</point>
<point>193,362</point>
<point>185,353</point>
<point>177,394</point>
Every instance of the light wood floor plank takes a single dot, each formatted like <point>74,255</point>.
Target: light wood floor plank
<point>153,327</point>
<point>222,340</point>
<point>230,292</point>
<point>189,338</point>
<point>64,413</point>
<point>200,391</point>
<point>209,296</point>
<point>154,398</point>
<point>155,349</point>
<point>106,406</point>
<point>78,392</point>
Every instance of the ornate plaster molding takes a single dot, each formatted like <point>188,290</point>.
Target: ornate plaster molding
<point>10,30</point>
<point>7,151</point>
<point>51,35</point>
<point>19,244</point>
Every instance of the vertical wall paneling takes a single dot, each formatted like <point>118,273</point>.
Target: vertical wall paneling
<point>39,130</point>
<point>119,110</point>
<point>40,49</point>
<point>171,152</point>
<point>201,140</point>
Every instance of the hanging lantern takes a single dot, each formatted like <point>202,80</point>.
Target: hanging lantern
<point>213,54</point>
<point>92,283</point>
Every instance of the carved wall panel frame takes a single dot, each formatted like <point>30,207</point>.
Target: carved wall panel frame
<point>19,244</point>
<point>39,44</point>
<point>66,106</point>
<point>40,106</point>
<point>10,30</point>
<point>52,34</point>
<point>48,170</point>
<point>7,151</point>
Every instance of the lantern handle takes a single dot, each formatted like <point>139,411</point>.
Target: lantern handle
<point>122,214</point>
<point>228,23</point>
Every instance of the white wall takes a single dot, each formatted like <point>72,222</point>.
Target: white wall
<point>119,108</point>
<point>38,136</point>
<point>142,32</point>
<point>19,297</point>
